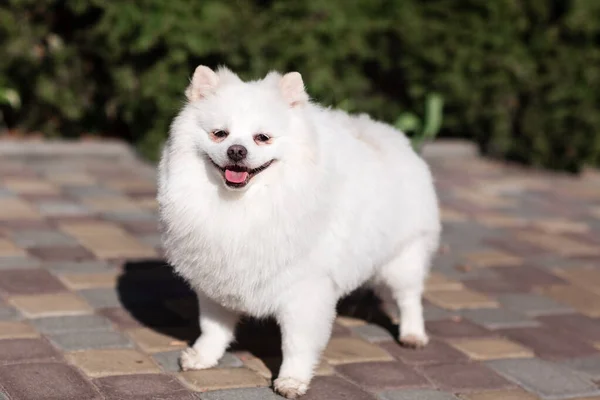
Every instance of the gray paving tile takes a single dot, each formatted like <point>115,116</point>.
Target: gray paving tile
<point>101,298</point>
<point>169,361</point>
<point>425,394</point>
<point>151,240</point>
<point>372,333</point>
<point>589,366</point>
<point>62,209</point>
<point>8,313</point>
<point>74,267</point>
<point>242,394</point>
<point>18,263</point>
<point>496,318</point>
<point>37,238</point>
<point>89,191</point>
<point>546,379</point>
<point>434,313</point>
<point>79,323</point>
<point>89,340</point>
<point>6,193</point>
<point>532,304</point>
<point>120,216</point>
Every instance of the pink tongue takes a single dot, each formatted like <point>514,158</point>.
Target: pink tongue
<point>235,177</point>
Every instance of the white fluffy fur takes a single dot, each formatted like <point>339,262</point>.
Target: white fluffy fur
<point>346,202</point>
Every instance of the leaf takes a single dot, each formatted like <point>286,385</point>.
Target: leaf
<point>408,122</point>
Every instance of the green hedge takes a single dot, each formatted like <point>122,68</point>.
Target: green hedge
<point>522,78</point>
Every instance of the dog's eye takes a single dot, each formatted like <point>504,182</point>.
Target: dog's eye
<point>261,138</point>
<point>219,134</point>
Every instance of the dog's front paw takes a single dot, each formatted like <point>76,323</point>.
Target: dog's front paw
<point>191,359</point>
<point>290,388</point>
<point>414,341</point>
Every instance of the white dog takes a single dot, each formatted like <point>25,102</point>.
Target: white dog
<point>273,206</point>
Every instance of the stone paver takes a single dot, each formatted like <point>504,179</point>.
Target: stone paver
<point>222,378</point>
<point>545,379</point>
<point>418,394</point>
<point>88,307</point>
<point>492,348</point>
<point>112,362</point>
<point>142,386</point>
<point>50,380</point>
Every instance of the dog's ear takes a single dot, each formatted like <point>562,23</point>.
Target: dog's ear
<point>203,83</point>
<point>292,89</point>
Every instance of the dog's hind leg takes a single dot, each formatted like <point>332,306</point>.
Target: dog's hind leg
<point>405,276</point>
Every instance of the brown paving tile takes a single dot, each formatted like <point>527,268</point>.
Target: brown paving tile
<point>141,227</point>
<point>18,350</point>
<point>496,285</point>
<point>29,281</point>
<point>46,305</point>
<point>453,329</point>
<point>80,281</point>
<point>136,186</point>
<point>378,376</point>
<point>549,343</point>
<point>17,330</point>
<point>492,258</point>
<point>452,215</point>
<point>495,220</point>
<point>491,348</point>
<point>9,249</point>
<point>71,179</point>
<point>105,362</point>
<point>528,275</point>
<point>143,386</point>
<point>334,388</point>
<point>110,203</point>
<point>12,209</point>
<point>29,186</point>
<point>560,225</point>
<point>507,394</point>
<point>260,366</point>
<point>587,276</point>
<point>436,352</point>
<point>61,253</point>
<point>437,281</point>
<point>558,244</point>
<point>152,341</point>
<point>349,321</point>
<point>108,241</point>
<point>344,350</point>
<point>46,381</point>
<point>222,378</point>
<point>120,317</point>
<point>324,369</point>
<point>459,299</point>
<point>24,224</point>
<point>581,299</point>
<point>585,328</point>
<point>462,377</point>
<point>148,203</point>
<point>519,248</point>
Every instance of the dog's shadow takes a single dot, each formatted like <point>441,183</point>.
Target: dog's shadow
<point>161,300</point>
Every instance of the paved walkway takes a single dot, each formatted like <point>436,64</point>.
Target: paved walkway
<point>89,311</point>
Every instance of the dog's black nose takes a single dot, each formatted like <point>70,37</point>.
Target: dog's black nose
<point>237,152</point>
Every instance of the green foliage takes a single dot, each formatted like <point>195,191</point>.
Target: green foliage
<point>519,77</point>
<point>423,132</point>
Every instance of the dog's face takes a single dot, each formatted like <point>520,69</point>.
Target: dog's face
<point>244,128</point>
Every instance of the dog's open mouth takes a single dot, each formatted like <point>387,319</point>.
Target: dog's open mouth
<point>237,176</point>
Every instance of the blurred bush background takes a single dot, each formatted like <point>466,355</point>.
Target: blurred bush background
<point>520,77</point>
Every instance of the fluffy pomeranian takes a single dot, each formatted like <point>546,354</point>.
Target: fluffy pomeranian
<point>272,206</point>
